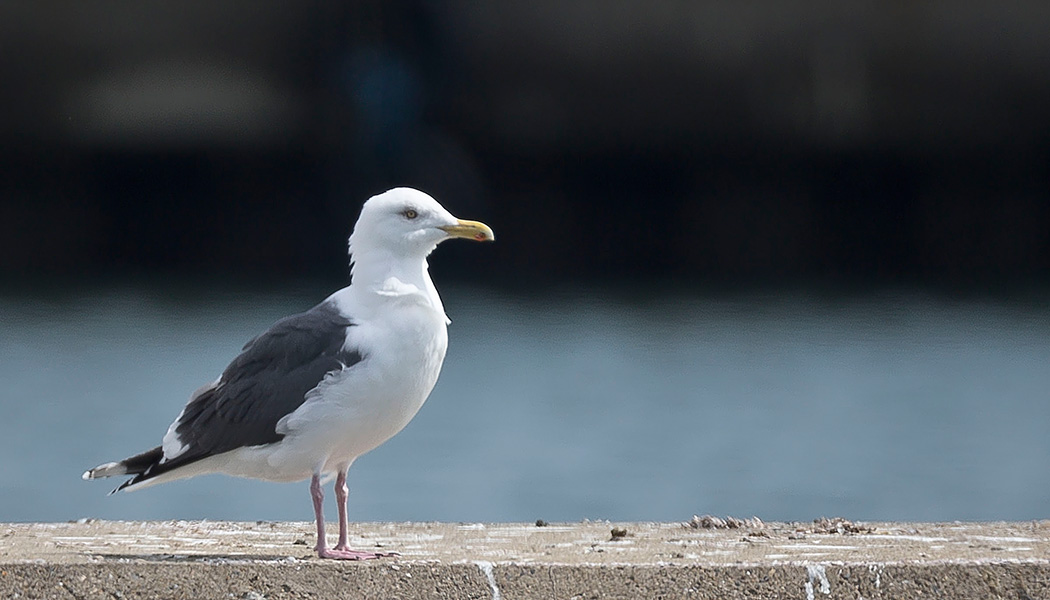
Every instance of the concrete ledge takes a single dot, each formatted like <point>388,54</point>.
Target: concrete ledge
<point>103,559</point>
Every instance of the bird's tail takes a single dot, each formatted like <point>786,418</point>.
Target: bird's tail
<point>135,465</point>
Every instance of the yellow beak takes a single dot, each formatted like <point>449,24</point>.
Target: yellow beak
<point>470,230</point>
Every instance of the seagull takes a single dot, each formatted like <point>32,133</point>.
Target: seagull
<point>318,389</point>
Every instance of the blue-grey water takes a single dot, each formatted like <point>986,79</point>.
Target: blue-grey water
<point>600,404</point>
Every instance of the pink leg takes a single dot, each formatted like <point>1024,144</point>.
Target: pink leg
<point>318,495</point>
<point>341,551</point>
<point>341,493</point>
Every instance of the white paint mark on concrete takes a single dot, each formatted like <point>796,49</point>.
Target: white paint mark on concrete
<point>824,547</point>
<point>1004,539</point>
<point>816,574</point>
<point>910,538</point>
<point>486,568</point>
<point>520,530</point>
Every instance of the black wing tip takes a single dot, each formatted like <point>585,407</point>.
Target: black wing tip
<point>142,466</point>
<point>130,482</point>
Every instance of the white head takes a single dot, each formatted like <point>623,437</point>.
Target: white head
<point>404,223</point>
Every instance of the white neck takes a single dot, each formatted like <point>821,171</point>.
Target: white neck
<point>378,274</point>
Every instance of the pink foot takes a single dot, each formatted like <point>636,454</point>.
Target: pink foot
<point>338,553</point>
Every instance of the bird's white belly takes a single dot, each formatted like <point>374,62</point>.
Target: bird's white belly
<point>359,408</point>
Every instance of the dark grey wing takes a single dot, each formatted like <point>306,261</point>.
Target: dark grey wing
<point>268,380</point>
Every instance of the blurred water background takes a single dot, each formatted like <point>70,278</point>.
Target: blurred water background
<point>783,258</point>
<point>623,403</point>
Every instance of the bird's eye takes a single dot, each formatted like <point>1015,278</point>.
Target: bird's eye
<point>410,213</point>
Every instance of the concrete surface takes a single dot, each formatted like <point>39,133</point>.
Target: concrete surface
<point>707,558</point>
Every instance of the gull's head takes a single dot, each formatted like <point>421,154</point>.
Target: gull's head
<point>407,222</point>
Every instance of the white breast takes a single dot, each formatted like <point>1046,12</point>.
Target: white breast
<point>359,408</point>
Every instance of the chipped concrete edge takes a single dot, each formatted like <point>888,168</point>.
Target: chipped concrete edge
<point>251,561</point>
<point>507,581</point>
